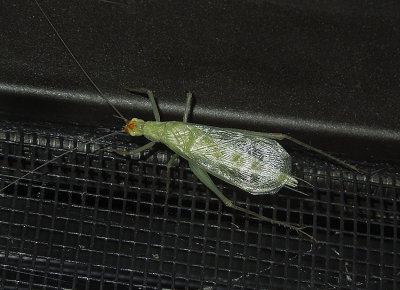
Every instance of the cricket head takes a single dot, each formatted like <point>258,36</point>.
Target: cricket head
<point>134,127</point>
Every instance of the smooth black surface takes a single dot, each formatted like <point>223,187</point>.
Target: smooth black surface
<point>325,72</point>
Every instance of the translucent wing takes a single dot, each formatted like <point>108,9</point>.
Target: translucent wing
<point>249,161</point>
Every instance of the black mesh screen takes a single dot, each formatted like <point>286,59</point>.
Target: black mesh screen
<point>96,219</point>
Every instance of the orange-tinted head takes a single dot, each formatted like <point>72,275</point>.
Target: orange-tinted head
<point>134,127</point>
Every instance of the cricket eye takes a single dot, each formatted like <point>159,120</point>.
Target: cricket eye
<point>130,126</point>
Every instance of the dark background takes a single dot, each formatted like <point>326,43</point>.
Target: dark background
<point>326,72</point>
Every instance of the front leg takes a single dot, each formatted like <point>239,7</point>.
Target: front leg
<point>188,106</point>
<point>151,98</point>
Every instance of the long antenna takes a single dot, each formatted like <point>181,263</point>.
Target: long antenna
<point>55,158</point>
<point>78,63</point>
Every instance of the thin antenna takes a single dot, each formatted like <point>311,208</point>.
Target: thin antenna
<point>78,63</point>
<point>55,158</point>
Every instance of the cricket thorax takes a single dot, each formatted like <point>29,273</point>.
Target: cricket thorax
<point>134,127</point>
<point>173,134</point>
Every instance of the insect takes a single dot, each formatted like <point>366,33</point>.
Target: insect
<point>252,161</point>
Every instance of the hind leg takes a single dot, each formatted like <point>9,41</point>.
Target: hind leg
<point>206,180</point>
<point>278,136</point>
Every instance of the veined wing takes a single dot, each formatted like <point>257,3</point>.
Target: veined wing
<point>254,163</point>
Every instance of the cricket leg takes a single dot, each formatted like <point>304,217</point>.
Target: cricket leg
<point>279,136</point>
<point>133,152</point>
<point>152,100</point>
<point>170,162</point>
<point>175,156</point>
<point>205,178</point>
<point>187,108</point>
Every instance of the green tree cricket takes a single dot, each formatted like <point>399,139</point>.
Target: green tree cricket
<point>252,161</point>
